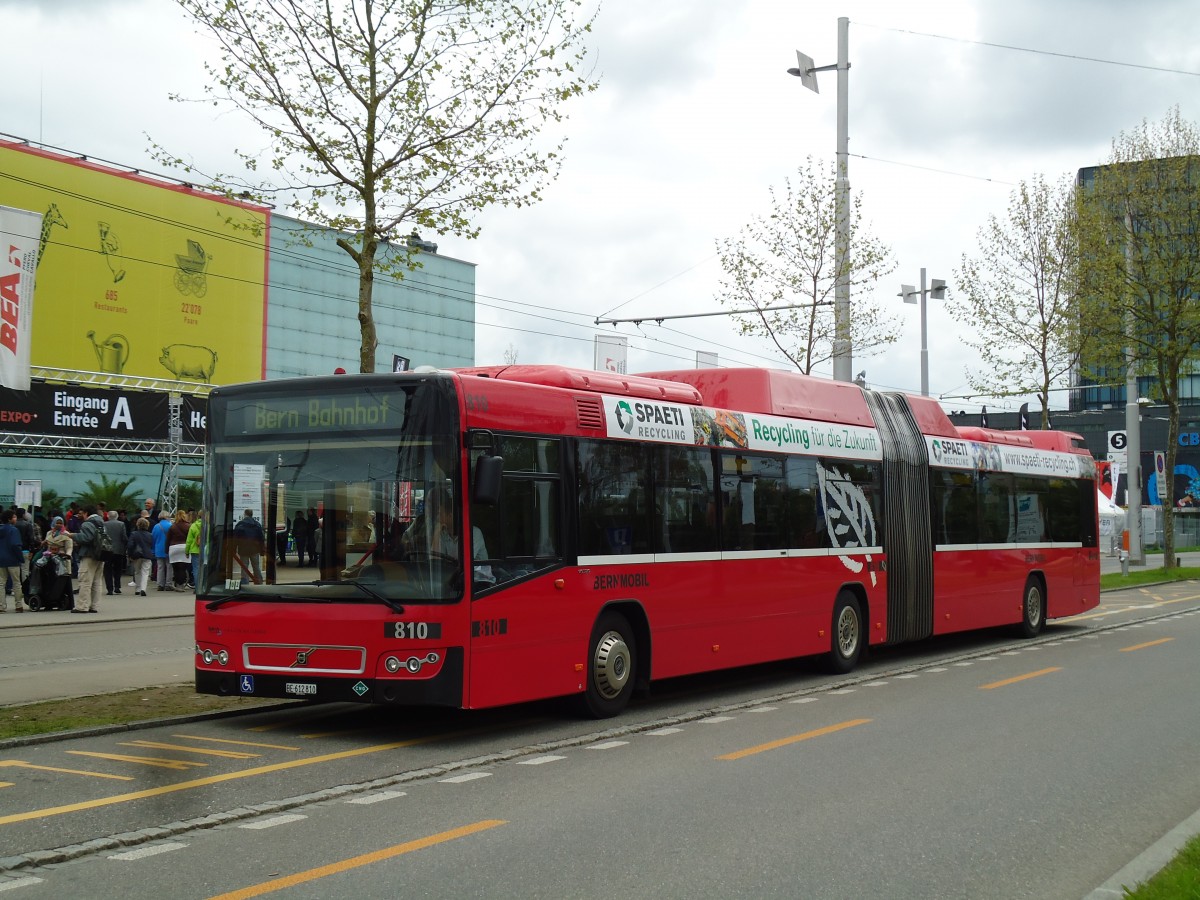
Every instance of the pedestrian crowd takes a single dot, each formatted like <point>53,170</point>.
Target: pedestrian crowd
<point>70,559</point>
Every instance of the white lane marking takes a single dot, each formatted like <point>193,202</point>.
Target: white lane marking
<point>712,720</point>
<point>938,669</point>
<point>875,684</point>
<point>460,779</point>
<point>909,675</point>
<point>377,798</point>
<point>671,729</point>
<point>763,709</point>
<point>804,700</point>
<point>842,692</point>
<point>539,760</point>
<point>143,852</point>
<point>273,821</point>
<point>965,664</point>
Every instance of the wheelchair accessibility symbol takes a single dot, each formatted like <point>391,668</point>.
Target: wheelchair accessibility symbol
<point>246,684</point>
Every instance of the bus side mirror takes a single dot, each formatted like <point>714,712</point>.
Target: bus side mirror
<point>488,470</point>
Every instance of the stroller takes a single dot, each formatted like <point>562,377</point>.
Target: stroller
<point>49,583</point>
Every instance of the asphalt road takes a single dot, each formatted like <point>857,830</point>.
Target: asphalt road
<point>981,766</point>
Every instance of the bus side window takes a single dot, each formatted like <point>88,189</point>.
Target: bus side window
<point>522,533</point>
<point>612,503</point>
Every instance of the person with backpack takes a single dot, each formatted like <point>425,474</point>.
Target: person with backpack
<point>93,543</point>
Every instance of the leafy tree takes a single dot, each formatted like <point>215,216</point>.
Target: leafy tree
<point>189,495</point>
<point>1019,295</point>
<point>788,258</point>
<point>114,495</point>
<point>1139,225</point>
<point>388,114</point>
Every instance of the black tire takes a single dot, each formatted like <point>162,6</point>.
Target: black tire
<point>1033,608</point>
<point>846,634</point>
<point>611,666</point>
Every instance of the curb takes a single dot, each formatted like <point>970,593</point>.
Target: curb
<point>1149,862</point>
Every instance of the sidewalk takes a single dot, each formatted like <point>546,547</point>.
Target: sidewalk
<point>117,608</point>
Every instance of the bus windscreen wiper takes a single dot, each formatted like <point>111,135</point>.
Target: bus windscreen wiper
<point>370,592</point>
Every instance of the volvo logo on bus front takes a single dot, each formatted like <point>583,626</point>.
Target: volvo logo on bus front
<point>302,657</point>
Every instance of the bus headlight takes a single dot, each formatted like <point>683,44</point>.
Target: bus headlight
<point>212,654</point>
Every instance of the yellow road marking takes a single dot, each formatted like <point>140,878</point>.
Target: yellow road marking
<point>4,784</point>
<point>198,737</point>
<point>278,884</point>
<point>1008,681</point>
<point>156,745</point>
<point>1147,644</point>
<point>156,761</point>
<point>16,763</point>
<point>794,739</point>
<point>227,776</point>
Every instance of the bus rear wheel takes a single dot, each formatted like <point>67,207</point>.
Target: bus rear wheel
<point>847,634</point>
<point>612,658</point>
<point>1033,608</point>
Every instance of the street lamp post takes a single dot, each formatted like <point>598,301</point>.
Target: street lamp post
<point>805,71</point>
<point>936,290</point>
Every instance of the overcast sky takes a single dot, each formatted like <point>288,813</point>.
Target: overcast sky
<point>694,121</point>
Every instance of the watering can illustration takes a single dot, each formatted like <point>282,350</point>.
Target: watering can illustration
<point>112,353</point>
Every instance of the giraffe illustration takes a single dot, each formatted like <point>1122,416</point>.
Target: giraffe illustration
<point>51,218</point>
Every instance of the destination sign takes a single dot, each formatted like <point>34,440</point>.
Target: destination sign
<point>366,411</point>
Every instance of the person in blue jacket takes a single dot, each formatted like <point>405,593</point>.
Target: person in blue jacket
<point>12,549</point>
<point>161,560</point>
<point>251,541</point>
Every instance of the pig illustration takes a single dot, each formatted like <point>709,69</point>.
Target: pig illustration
<point>189,362</point>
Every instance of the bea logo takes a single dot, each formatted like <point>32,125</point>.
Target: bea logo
<point>624,416</point>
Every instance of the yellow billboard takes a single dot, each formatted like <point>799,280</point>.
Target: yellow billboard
<point>138,276</point>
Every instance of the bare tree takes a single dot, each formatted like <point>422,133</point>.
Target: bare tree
<point>1140,236</point>
<point>789,259</point>
<point>389,114</point>
<point>1018,295</point>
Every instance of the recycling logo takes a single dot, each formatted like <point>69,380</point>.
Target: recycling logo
<point>625,416</point>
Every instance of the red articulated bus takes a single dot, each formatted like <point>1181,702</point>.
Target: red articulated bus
<point>490,536</point>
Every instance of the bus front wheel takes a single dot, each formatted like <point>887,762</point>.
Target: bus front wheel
<point>1033,608</point>
<point>847,637</point>
<point>610,668</point>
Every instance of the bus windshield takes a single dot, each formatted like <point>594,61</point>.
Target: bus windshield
<point>333,494</point>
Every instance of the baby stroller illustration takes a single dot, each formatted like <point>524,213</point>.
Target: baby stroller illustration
<point>49,583</point>
<point>189,270</point>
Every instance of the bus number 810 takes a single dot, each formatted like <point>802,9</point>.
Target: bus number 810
<point>412,631</point>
